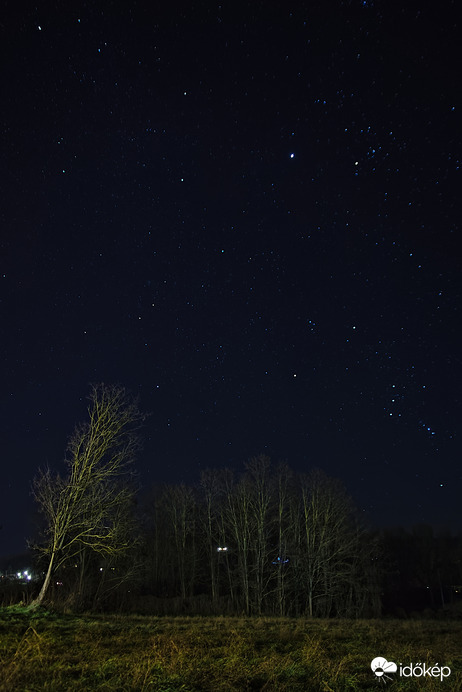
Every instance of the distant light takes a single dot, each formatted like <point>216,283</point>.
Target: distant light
<point>292,156</point>
<point>221,549</point>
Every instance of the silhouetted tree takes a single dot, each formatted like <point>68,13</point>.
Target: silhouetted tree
<point>180,509</point>
<point>329,542</point>
<point>211,486</point>
<point>261,526</point>
<point>286,536</point>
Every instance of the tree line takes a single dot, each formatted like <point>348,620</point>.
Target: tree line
<point>263,541</point>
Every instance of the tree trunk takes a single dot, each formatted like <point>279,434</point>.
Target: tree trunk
<point>46,583</point>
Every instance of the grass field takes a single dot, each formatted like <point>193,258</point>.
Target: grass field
<point>46,651</point>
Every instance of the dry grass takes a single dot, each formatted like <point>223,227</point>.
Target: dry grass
<point>48,652</point>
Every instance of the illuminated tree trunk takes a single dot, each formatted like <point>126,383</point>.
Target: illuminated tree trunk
<point>38,601</point>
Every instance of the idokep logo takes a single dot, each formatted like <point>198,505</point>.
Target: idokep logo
<point>381,667</point>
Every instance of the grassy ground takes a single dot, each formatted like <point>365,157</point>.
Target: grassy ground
<point>43,651</point>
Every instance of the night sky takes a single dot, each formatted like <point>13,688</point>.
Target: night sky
<point>248,215</point>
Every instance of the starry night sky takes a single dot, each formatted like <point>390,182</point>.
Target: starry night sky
<point>248,214</point>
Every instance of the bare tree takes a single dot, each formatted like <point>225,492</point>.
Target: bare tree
<point>258,470</point>
<point>210,490</point>
<point>180,506</point>
<point>286,534</point>
<point>329,541</point>
<point>89,507</point>
<point>237,522</point>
